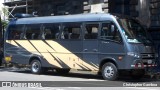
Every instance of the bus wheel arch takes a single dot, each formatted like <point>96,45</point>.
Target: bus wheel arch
<point>108,69</point>
<point>33,58</point>
<point>106,61</point>
<point>35,65</point>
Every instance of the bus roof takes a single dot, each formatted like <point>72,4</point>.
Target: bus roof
<point>64,18</point>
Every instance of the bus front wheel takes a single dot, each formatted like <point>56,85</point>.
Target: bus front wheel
<point>36,67</point>
<point>109,71</point>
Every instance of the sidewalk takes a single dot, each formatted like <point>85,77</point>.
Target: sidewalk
<point>1,66</point>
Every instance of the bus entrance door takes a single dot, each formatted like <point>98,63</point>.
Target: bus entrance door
<point>90,54</point>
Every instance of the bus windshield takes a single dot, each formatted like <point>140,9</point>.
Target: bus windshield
<point>133,31</point>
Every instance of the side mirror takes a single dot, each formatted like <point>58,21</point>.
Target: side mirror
<point>112,28</point>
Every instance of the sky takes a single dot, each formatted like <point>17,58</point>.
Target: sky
<point>1,1</point>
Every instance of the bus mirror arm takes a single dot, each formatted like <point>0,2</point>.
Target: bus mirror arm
<point>112,28</point>
<point>85,50</point>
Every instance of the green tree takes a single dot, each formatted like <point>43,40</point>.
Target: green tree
<point>4,23</point>
<point>4,12</point>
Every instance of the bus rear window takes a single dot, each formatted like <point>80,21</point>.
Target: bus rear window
<point>15,32</point>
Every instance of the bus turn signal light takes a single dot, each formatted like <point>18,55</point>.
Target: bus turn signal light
<point>7,59</point>
<point>120,58</point>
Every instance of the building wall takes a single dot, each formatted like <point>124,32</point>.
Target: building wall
<point>19,6</point>
<point>65,7</point>
<point>144,12</point>
<point>58,7</point>
<point>155,23</point>
<point>88,5</point>
<point>147,11</point>
<point>155,13</point>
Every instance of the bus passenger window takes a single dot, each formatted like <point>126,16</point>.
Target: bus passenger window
<point>91,31</point>
<point>16,32</point>
<point>109,31</point>
<point>48,34</point>
<point>71,31</point>
<point>33,32</point>
<point>75,33</point>
<point>51,31</point>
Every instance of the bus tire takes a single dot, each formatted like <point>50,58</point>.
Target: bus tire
<point>62,71</point>
<point>109,71</point>
<point>36,67</point>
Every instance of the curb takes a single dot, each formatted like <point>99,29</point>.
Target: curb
<point>1,67</point>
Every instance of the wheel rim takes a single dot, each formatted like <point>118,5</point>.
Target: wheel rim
<point>35,67</point>
<point>108,72</point>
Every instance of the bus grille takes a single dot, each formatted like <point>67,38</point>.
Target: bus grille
<point>147,55</point>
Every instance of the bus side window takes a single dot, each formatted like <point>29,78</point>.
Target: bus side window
<point>16,32</point>
<point>48,34</point>
<point>109,31</point>
<point>91,31</point>
<point>51,31</point>
<point>33,32</point>
<point>71,31</point>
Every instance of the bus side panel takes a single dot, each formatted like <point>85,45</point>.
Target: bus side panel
<point>67,54</point>
<point>56,54</point>
<point>17,52</point>
<point>21,51</point>
<point>112,50</point>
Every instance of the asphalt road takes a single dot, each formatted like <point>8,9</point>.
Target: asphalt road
<point>71,81</point>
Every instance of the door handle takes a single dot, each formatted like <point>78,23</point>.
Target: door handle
<point>85,50</point>
<point>95,50</point>
<point>105,42</point>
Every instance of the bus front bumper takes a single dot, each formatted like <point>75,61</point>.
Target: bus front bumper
<point>141,64</point>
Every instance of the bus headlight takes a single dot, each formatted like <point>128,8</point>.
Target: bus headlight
<point>133,54</point>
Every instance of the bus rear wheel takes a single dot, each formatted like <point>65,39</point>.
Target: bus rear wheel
<point>36,67</point>
<point>62,71</point>
<point>109,71</point>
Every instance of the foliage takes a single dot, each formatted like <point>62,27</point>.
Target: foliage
<point>4,13</point>
<point>4,23</point>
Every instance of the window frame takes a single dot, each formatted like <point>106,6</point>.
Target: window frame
<point>26,29</point>
<point>9,31</point>
<point>53,25</point>
<point>63,25</point>
<point>111,40</point>
<point>84,29</point>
